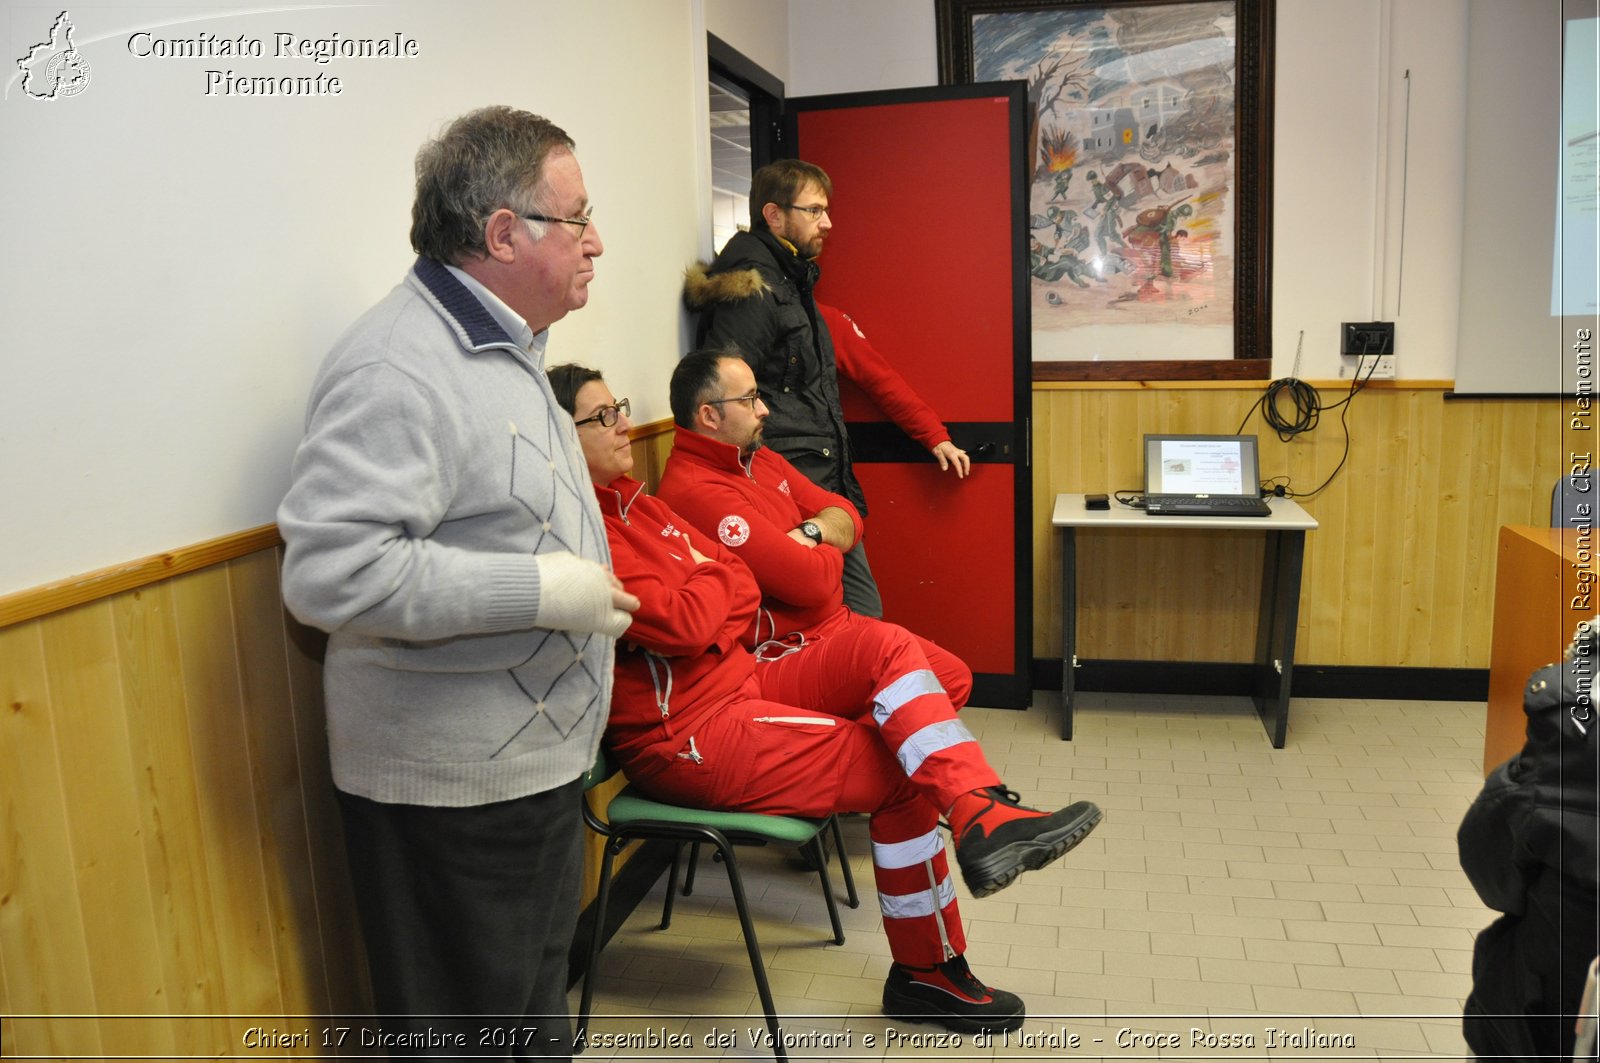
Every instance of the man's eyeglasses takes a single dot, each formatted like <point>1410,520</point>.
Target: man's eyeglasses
<point>752,398</point>
<point>582,223</point>
<point>607,415</point>
<point>815,211</point>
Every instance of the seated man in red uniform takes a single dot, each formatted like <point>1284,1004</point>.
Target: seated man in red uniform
<point>793,534</point>
<point>851,723</point>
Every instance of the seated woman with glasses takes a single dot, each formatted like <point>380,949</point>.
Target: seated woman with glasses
<point>857,723</point>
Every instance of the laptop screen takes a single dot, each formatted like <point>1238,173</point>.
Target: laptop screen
<point>1218,466</point>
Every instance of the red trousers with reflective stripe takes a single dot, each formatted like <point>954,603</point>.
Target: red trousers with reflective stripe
<point>805,739</point>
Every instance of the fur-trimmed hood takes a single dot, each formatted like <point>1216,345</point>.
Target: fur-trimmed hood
<point>701,287</point>
<point>752,264</point>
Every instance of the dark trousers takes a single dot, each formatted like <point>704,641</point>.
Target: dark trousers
<point>468,915</point>
<point>860,588</point>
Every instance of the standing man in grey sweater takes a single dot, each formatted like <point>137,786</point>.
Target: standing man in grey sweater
<point>441,528</point>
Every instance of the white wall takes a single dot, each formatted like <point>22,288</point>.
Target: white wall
<point>757,29</point>
<point>851,46</point>
<point>1339,157</point>
<point>1345,177</point>
<point>177,264</point>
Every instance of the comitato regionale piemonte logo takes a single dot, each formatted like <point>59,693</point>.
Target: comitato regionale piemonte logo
<point>54,69</point>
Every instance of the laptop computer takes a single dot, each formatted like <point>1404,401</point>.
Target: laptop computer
<point>1202,476</point>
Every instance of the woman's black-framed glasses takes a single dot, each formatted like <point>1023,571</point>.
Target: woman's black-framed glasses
<point>607,415</point>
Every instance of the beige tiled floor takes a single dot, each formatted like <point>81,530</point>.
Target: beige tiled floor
<point>1233,889</point>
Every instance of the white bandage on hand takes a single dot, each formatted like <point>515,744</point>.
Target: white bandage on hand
<point>575,595</point>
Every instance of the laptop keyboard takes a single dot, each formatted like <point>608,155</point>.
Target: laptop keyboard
<point>1238,507</point>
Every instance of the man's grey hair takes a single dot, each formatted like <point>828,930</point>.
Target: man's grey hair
<point>487,159</point>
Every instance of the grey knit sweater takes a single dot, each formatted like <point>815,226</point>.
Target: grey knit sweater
<point>435,465</point>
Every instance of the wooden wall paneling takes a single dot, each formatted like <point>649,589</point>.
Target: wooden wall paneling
<point>1399,572</point>
<point>651,445</point>
<point>274,755</point>
<point>1474,566</point>
<point>1311,458</point>
<point>343,956</point>
<point>101,584</point>
<point>96,765</point>
<point>1454,513</point>
<point>166,801</point>
<point>1416,550</point>
<point>1106,605</point>
<point>1356,488</point>
<point>44,942</point>
<point>231,851</point>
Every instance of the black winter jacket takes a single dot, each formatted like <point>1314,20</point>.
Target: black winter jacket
<point>757,297</point>
<point>1528,843</point>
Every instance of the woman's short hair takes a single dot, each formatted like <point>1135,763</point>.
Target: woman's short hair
<point>567,380</point>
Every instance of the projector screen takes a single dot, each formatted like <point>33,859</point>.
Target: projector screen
<point>1572,285</point>
<point>1530,283</point>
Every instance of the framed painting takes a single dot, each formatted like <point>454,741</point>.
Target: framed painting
<point>1150,171</point>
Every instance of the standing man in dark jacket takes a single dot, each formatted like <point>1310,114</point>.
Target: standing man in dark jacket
<point>757,297</point>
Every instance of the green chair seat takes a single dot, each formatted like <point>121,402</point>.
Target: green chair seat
<point>631,807</point>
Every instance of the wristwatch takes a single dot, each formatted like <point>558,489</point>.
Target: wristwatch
<point>811,531</point>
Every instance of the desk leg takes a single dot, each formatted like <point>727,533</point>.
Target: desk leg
<point>1275,633</point>
<point>1069,626</point>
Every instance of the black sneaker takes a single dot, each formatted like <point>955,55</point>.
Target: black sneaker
<point>951,996</point>
<point>991,858</point>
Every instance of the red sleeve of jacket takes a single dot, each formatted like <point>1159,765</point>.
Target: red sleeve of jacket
<point>861,363</point>
<point>756,532</point>
<point>685,609</point>
<point>808,496</point>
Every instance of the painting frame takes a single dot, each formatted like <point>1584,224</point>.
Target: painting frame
<point>1255,22</point>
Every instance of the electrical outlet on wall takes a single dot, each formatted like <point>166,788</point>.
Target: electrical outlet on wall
<point>1383,370</point>
<point>1358,338</point>
<point>1368,350</point>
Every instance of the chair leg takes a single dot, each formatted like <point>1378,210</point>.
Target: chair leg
<point>852,898</point>
<point>602,897</point>
<point>815,845</point>
<point>694,862</point>
<point>757,967</point>
<point>672,886</point>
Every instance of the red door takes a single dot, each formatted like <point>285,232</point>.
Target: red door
<point>928,254</point>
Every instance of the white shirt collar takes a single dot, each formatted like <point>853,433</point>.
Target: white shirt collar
<point>508,319</point>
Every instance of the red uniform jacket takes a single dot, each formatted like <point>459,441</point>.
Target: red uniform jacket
<point>682,657</point>
<point>861,363</point>
<point>751,511</point>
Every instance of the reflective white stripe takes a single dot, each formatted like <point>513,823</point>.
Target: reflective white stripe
<point>934,738</point>
<point>824,721</point>
<point>916,905</point>
<point>909,686</point>
<point>908,853</point>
